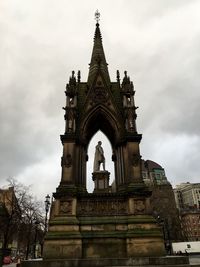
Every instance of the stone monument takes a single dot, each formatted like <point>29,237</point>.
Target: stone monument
<point>105,223</point>
<point>88,229</point>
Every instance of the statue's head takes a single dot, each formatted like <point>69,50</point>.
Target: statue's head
<point>99,143</point>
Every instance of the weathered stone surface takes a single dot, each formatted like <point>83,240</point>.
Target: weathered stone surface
<point>136,262</point>
<point>144,247</point>
<point>103,247</point>
<point>116,234</point>
<point>63,249</point>
<point>62,228</point>
<point>101,181</point>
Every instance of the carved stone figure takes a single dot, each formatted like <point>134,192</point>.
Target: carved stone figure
<point>140,206</point>
<point>66,207</point>
<point>99,157</point>
<point>136,159</point>
<point>66,161</point>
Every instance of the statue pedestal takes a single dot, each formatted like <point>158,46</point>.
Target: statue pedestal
<point>101,181</point>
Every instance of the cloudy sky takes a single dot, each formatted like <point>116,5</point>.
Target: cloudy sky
<point>156,41</point>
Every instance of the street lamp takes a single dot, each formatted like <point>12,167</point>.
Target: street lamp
<point>166,233</point>
<point>47,205</point>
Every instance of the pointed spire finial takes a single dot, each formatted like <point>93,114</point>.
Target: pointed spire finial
<point>118,76</point>
<point>97,16</point>
<point>98,60</point>
<point>79,76</point>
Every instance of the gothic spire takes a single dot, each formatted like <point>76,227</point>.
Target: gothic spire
<point>98,60</point>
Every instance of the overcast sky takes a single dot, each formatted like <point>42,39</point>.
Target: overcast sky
<point>156,41</point>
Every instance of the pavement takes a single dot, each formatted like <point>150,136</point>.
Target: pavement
<point>10,265</point>
<point>194,259</point>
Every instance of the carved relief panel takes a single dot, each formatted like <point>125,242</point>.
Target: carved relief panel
<point>66,207</point>
<point>139,206</point>
<point>102,207</point>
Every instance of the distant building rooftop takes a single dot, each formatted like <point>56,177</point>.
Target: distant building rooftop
<point>150,165</point>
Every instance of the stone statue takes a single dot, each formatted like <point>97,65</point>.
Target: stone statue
<point>99,157</point>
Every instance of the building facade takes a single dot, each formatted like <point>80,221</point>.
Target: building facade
<point>9,219</point>
<point>162,201</point>
<point>190,220</point>
<point>187,195</point>
<point>153,173</point>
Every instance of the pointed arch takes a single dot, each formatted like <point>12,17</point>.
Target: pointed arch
<point>100,118</point>
<point>108,152</point>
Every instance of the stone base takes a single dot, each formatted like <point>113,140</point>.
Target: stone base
<point>101,181</point>
<point>171,261</point>
<point>102,226</point>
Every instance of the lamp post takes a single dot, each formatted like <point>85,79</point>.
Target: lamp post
<point>47,205</point>
<point>166,233</point>
<point>169,241</point>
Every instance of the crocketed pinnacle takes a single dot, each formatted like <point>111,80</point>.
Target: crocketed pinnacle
<point>98,60</point>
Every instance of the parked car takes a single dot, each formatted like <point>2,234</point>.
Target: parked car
<point>7,260</point>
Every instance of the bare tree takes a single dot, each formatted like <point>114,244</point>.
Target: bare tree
<point>24,218</point>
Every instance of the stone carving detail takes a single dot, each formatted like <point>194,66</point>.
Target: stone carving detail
<point>70,115</point>
<point>139,206</point>
<point>71,87</point>
<point>127,85</point>
<point>122,208</point>
<point>102,207</point>
<point>66,161</point>
<point>135,160</point>
<point>66,207</point>
<point>130,117</point>
<point>100,94</point>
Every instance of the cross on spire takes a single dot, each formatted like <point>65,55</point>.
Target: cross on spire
<point>97,16</point>
<point>98,60</point>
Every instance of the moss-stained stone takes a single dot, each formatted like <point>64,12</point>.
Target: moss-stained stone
<point>121,227</point>
<point>118,219</point>
<point>104,248</point>
<point>68,228</point>
<point>98,227</point>
<point>145,247</point>
<point>85,228</point>
<point>62,235</point>
<point>103,236</point>
<point>100,262</point>
<point>109,227</point>
<point>142,226</point>
<point>63,249</point>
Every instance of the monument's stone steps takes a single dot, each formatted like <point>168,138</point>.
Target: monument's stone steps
<point>179,261</point>
<point>182,265</point>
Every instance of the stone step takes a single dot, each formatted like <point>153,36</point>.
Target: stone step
<point>182,265</point>
<point>163,265</point>
<point>172,261</point>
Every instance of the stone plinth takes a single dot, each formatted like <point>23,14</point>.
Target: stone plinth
<point>102,225</point>
<point>101,181</point>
